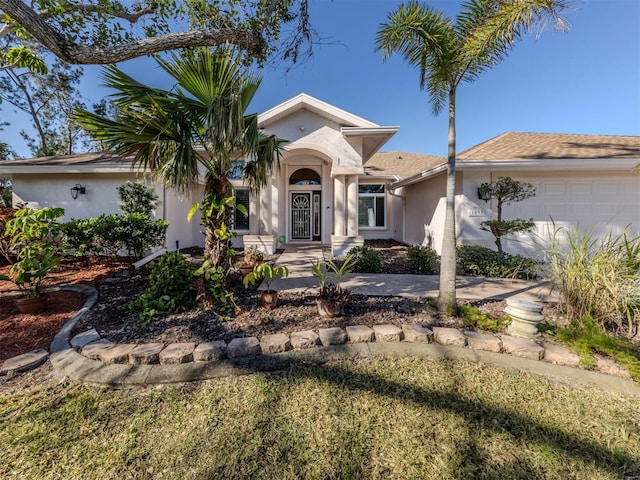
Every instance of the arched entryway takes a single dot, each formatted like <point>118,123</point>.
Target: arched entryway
<point>305,200</point>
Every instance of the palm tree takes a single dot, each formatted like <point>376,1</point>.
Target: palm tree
<point>199,124</point>
<point>448,52</point>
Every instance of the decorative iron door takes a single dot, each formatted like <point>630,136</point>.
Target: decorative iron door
<point>301,216</point>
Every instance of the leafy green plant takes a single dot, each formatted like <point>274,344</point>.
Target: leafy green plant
<point>474,317</point>
<point>331,296</point>
<point>329,268</point>
<point>34,235</point>
<point>137,197</point>
<point>596,276</point>
<point>477,260</point>
<point>252,256</point>
<point>265,272</point>
<point>366,259</point>
<point>171,279</point>
<point>423,260</point>
<point>586,337</point>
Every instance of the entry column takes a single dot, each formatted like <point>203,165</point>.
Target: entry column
<point>352,206</point>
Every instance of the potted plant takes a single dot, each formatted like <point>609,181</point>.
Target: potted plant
<point>33,235</point>
<point>252,257</point>
<point>332,298</point>
<point>29,274</point>
<point>268,273</point>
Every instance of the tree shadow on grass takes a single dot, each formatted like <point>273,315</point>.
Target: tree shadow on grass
<point>480,420</point>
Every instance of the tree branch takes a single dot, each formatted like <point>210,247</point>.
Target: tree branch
<point>74,53</point>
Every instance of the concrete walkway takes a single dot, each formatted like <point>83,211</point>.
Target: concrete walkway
<point>300,259</point>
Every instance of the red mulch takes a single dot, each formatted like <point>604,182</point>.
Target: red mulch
<point>21,333</point>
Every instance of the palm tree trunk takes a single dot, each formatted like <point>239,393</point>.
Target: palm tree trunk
<point>217,240</point>
<point>447,294</point>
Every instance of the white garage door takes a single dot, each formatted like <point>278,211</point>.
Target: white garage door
<point>604,204</point>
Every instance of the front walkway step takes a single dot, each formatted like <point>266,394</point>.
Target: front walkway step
<point>23,362</point>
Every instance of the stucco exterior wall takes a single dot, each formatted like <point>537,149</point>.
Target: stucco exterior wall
<point>421,202</point>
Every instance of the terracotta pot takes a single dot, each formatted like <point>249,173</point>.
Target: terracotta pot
<point>269,299</point>
<point>328,309</point>
<point>245,270</point>
<point>31,305</point>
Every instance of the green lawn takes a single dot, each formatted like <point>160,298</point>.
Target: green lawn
<point>409,418</point>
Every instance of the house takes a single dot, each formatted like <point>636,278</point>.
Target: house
<point>336,187</point>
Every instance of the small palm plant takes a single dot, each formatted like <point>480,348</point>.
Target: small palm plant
<point>332,298</point>
<point>268,273</point>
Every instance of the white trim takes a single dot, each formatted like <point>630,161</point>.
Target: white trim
<point>304,101</point>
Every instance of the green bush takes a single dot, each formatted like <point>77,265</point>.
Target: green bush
<point>134,233</point>
<point>474,317</point>
<point>366,260</point>
<point>170,291</point>
<point>423,260</point>
<point>477,260</point>
<point>597,277</point>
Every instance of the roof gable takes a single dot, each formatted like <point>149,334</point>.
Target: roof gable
<point>311,104</point>
<point>401,164</point>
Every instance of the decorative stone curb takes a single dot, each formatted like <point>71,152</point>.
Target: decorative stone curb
<point>104,362</point>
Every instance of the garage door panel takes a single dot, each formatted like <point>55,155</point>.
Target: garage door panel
<point>602,204</point>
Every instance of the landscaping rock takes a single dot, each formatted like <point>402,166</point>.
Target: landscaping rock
<point>23,362</point>
<point>522,347</point>
<point>117,353</point>
<point>332,336</point>
<point>449,336</point>
<point>482,341</point>
<point>243,347</point>
<point>276,343</point>
<point>559,355</point>
<point>359,334</point>
<point>210,351</point>
<point>146,354</point>
<point>388,333</point>
<point>97,348</point>
<point>305,339</point>
<point>417,333</point>
<point>85,338</point>
<point>176,353</point>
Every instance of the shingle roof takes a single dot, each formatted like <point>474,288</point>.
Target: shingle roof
<point>70,160</point>
<point>402,164</point>
<point>517,145</point>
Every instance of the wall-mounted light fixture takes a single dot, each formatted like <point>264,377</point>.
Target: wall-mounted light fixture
<point>77,190</point>
<point>484,192</point>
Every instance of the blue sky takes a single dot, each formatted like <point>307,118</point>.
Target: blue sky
<point>584,81</point>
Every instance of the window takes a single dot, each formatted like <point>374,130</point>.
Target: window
<point>371,205</point>
<point>304,176</point>
<point>240,221</point>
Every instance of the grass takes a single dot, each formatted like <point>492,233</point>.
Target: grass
<point>587,338</point>
<point>394,418</point>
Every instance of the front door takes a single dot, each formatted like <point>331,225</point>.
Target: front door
<point>305,216</point>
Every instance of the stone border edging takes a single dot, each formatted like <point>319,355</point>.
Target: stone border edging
<point>62,338</point>
<point>80,368</point>
<point>68,361</point>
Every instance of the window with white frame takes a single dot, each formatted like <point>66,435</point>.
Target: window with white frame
<point>240,221</point>
<point>371,205</point>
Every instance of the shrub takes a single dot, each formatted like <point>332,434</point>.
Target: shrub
<point>134,233</point>
<point>366,260</point>
<point>423,260</point>
<point>597,277</point>
<point>477,260</point>
<point>170,291</point>
<point>6,214</point>
<point>137,197</point>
